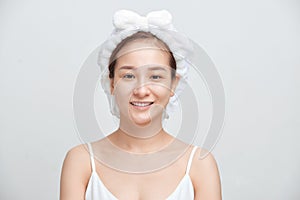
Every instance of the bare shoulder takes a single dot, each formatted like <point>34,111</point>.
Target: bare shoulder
<point>205,176</point>
<point>77,158</point>
<point>75,173</point>
<point>77,153</point>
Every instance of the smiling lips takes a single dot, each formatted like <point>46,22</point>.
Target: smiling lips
<point>141,105</point>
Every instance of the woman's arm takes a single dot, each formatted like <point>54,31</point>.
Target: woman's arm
<point>206,178</point>
<point>75,174</point>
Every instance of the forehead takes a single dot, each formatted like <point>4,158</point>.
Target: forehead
<point>140,53</point>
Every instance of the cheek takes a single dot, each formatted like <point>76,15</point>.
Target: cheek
<point>162,88</point>
<point>163,93</point>
<point>122,92</point>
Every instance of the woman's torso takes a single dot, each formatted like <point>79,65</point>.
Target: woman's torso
<point>172,182</point>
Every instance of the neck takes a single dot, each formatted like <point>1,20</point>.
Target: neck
<point>140,138</point>
<point>140,145</point>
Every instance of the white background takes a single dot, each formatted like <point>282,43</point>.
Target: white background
<point>254,44</point>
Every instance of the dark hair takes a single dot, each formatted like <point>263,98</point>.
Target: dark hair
<point>141,35</point>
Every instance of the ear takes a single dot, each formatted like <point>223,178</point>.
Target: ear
<point>112,86</point>
<point>174,84</point>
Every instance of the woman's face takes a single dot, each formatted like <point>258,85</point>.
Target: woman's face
<point>142,83</point>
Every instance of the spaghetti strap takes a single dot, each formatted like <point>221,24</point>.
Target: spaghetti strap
<point>190,160</point>
<point>92,156</point>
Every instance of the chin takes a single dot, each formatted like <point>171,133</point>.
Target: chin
<point>143,122</point>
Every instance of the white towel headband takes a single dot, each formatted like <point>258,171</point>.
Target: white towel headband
<point>159,23</point>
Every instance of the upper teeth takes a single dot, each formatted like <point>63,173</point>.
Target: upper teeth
<point>141,104</point>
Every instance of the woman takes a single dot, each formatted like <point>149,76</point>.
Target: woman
<point>144,74</point>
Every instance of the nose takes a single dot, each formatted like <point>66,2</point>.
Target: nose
<point>141,91</point>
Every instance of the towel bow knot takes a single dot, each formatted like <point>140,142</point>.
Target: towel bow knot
<point>126,19</point>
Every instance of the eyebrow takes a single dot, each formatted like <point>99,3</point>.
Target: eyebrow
<point>150,68</point>
<point>126,67</point>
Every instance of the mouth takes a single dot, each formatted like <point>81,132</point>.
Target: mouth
<point>141,104</point>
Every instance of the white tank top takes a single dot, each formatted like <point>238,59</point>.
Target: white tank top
<point>96,190</point>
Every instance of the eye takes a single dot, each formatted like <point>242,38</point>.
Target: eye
<point>155,77</point>
<point>128,76</point>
